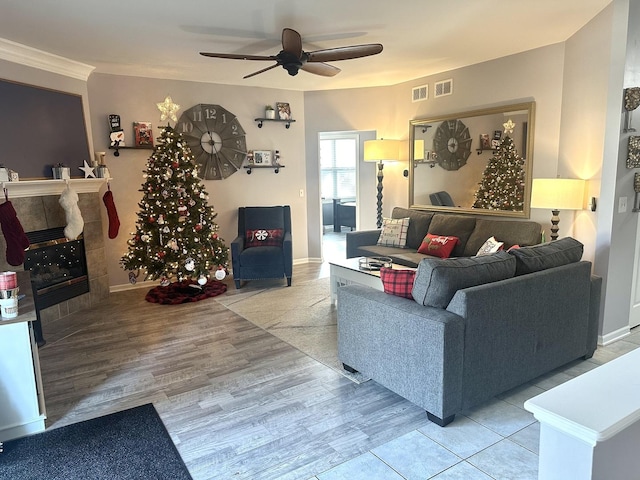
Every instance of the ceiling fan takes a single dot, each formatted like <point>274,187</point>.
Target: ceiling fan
<point>292,58</point>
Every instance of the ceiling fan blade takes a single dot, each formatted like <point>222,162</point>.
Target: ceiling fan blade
<point>344,53</point>
<point>260,71</point>
<point>238,56</point>
<point>319,68</point>
<point>291,42</point>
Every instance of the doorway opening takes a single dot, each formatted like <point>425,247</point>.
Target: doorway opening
<point>339,153</point>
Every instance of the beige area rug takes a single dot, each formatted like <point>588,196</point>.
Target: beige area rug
<point>301,315</point>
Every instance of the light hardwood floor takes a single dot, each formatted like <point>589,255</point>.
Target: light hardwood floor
<point>237,401</point>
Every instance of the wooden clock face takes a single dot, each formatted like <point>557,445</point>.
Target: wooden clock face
<point>216,139</point>
<point>452,144</point>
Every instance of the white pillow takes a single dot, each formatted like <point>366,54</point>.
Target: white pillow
<point>489,247</point>
<point>394,232</point>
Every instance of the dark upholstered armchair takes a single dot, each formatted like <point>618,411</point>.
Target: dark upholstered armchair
<point>263,246</point>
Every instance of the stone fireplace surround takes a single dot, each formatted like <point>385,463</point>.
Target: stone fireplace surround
<point>37,207</point>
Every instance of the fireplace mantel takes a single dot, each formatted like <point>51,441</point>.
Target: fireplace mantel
<point>40,188</point>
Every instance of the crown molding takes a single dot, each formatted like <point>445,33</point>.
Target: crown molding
<point>31,57</point>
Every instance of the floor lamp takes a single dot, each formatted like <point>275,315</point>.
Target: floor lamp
<point>557,194</point>
<point>381,151</point>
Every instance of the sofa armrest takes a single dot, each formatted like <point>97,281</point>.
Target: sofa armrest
<point>413,350</point>
<point>237,246</point>
<point>355,240</point>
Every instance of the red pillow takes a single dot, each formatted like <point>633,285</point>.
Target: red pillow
<point>397,282</point>
<point>438,245</point>
<point>261,237</point>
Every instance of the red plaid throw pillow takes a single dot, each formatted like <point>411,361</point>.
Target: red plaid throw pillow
<point>438,245</point>
<point>264,238</point>
<point>397,282</point>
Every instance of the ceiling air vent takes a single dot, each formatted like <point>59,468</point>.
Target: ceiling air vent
<point>443,88</point>
<point>420,93</point>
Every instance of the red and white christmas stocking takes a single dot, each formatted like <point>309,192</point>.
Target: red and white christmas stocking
<point>114,221</point>
<point>17,241</point>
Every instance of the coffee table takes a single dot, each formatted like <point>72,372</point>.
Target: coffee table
<point>347,272</point>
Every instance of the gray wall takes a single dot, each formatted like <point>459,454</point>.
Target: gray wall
<point>591,148</point>
<point>135,98</point>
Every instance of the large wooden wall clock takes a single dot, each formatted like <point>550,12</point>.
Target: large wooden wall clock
<point>216,139</point>
<point>452,144</point>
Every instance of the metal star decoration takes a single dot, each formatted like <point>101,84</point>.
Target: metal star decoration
<point>168,109</point>
<point>509,126</point>
<point>88,170</point>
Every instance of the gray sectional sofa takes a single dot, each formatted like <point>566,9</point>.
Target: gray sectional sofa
<point>472,232</point>
<point>476,326</point>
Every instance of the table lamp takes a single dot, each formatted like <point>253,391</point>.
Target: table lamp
<point>381,151</point>
<point>557,194</point>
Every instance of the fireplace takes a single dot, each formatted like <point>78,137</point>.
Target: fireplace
<point>58,270</point>
<point>38,208</point>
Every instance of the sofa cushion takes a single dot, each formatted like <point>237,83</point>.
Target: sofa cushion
<point>397,282</point>
<point>520,232</point>
<point>490,246</point>
<point>438,245</point>
<point>437,280</point>
<point>454,225</point>
<point>419,221</point>
<point>547,255</point>
<point>394,232</point>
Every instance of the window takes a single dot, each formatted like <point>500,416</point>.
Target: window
<point>338,155</point>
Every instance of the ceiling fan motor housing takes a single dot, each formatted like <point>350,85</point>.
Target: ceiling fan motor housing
<point>290,62</point>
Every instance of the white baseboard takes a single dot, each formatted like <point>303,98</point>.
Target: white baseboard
<point>133,286</point>
<point>613,336</point>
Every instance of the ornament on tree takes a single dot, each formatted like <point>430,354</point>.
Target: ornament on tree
<point>190,264</point>
<point>202,280</point>
<point>220,274</point>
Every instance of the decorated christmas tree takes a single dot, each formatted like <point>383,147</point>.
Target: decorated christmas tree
<point>176,236</point>
<point>502,185</point>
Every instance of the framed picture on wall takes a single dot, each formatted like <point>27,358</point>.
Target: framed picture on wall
<point>284,111</point>
<point>143,133</point>
<point>262,157</point>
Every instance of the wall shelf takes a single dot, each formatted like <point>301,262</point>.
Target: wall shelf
<point>141,147</point>
<point>275,168</point>
<point>286,122</point>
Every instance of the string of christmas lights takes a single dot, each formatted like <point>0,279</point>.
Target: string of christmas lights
<point>176,236</point>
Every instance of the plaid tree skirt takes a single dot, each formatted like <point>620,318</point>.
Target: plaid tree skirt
<point>184,292</point>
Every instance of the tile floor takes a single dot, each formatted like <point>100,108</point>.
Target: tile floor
<point>497,440</point>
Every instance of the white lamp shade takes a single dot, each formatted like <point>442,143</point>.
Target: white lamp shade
<point>557,193</point>
<point>381,150</point>
<point>418,149</point>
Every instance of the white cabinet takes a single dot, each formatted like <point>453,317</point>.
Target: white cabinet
<point>22,409</point>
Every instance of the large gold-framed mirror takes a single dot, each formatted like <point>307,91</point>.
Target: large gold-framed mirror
<point>449,155</point>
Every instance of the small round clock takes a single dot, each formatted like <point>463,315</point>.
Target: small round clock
<point>216,139</point>
<point>452,144</point>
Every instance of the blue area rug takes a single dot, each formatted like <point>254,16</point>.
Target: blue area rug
<point>132,444</point>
